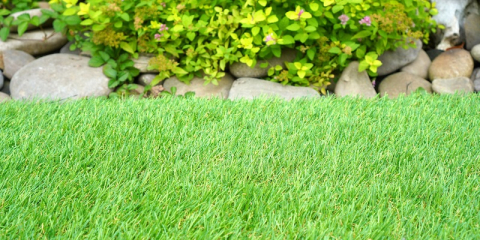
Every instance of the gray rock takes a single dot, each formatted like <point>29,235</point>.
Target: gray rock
<point>402,83</point>
<point>1,79</point>
<point>66,49</point>
<point>451,64</point>
<point>13,60</point>
<point>476,85</point>
<point>250,88</point>
<point>141,63</point>
<point>4,97</point>
<point>420,66</point>
<point>59,76</point>
<point>146,78</point>
<point>394,60</point>
<point>354,83</point>
<point>32,12</point>
<point>201,90</point>
<point>242,70</point>
<point>472,30</point>
<point>475,52</point>
<point>461,85</point>
<point>34,42</point>
<point>6,87</point>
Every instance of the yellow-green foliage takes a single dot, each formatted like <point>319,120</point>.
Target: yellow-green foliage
<point>206,36</point>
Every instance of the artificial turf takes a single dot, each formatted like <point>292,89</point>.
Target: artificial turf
<point>175,168</point>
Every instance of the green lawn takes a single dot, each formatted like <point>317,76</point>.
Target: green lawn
<point>211,169</point>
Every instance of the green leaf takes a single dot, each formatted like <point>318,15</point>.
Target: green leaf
<point>4,32</point>
<point>337,8</point>
<point>363,66</point>
<point>311,53</point>
<point>118,24</point>
<point>293,27</point>
<point>314,6</point>
<point>272,19</point>
<point>191,36</point>
<point>59,25</point>
<point>22,27</point>
<point>70,11</point>
<point>104,56</point>
<point>255,31</point>
<point>276,50</point>
<point>109,72</point>
<point>86,22</point>
<point>287,39</point>
<point>329,15</point>
<point>125,17</point>
<point>125,46</point>
<point>35,21</point>
<point>97,27</point>
<point>113,83</point>
<point>96,61</point>
<point>362,34</point>
<point>262,2</point>
<point>73,20</point>
<point>335,50</point>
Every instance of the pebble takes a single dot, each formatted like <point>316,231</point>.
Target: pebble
<point>34,42</point>
<point>461,85</point>
<point>451,64</point>
<point>419,66</point>
<point>395,59</point>
<point>14,60</point>
<point>201,90</point>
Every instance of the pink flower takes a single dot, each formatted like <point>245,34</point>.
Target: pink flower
<point>344,18</point>
<point>163,27</point>
<point>158,36</point>
<point>270,40</point>
<point>300,13</point>
<point>366,20</point>
<point>163,4</point>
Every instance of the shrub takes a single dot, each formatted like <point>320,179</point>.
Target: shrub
<point>199,37</point>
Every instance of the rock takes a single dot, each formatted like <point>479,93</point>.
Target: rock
<point>402,83</point>
<point>1,80</point>
<point>4,97</point>
<point>472,30</point>
<point>66,49</point>
<point>59,76</point>
<point>250,88</point>
<point>451,14</point>
<point>461,85</point>
<point>476,85</point>
<point>6,87</point>
<point>141,63</point>
<point>201,90</point>
<point>146,78</point>
<point>394,60</point>
<point>13,60</point>
<point>34,42</point>
<point>354,83</point>
<point>475,78</point>
<point>434,53</point>
<point>475,52</point>
<point>242,70</point>
<point>32,12</point>
<point>451,64</point>
<point>420,66</point>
